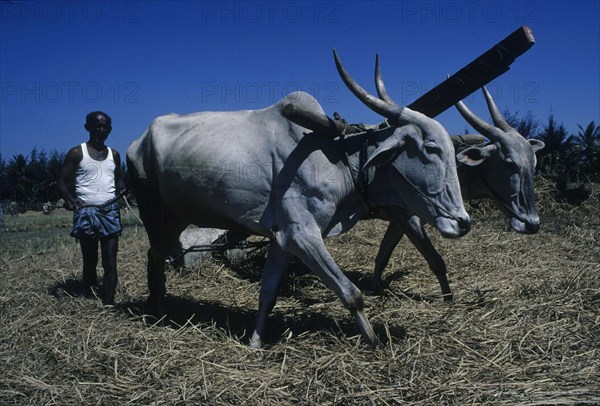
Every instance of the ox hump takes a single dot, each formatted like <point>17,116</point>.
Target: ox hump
<point>302,99</point>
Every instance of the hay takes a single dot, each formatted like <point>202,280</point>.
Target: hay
<point>524,327</point>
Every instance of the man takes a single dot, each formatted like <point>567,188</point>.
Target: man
<point>95,169</point>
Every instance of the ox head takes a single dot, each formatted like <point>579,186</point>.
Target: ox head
<point>507,166</point>
<point>414,160</point>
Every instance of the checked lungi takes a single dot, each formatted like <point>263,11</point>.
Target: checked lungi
<point>97,222</point>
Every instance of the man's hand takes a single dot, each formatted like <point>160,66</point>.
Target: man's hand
<point>70,204</point>
<point>128,194</point>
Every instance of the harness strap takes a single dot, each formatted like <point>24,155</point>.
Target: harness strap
<point>499,199</point>
<point>363,176</point>
<point>429,199</point>
<point>363,182</point>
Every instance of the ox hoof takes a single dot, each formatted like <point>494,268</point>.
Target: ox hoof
<point>256,342</point>
<point>448,297</point>
<point>374,290</point>
<point>365,329</point>
<point>155,309</point>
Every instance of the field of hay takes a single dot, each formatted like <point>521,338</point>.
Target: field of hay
<point>524,327</point>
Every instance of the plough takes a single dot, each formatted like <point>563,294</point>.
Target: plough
<point>225,242</point>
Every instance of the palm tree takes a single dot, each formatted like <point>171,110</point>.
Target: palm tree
<point>588,139</point>
<point>4,183</point>
<point>53,172</point>
<point>558,142</point>
<point>16,171</point>
<point>526,126</point>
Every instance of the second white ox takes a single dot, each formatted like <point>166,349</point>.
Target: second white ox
<point>501,169</point>
<point>258,173</point>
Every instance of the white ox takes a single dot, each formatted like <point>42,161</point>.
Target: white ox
<point>500,169</point>
<point>258,173</point>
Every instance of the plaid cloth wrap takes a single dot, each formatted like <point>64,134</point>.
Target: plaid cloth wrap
<point>97,222</point>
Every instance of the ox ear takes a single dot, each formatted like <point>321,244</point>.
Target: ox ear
<point>474,156</point>
<point>537,145</point>
<point>385,152</point>
<point>388,149</point>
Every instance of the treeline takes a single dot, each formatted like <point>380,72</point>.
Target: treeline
<point>566,157</point>
<point>570,161</point>
<point>31,180</point>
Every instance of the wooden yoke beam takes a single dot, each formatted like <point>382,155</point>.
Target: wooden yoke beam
<point>487,67</point>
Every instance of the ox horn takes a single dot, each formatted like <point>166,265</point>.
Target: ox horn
<point>477,123</point>
<point>382,107</point>
<point>497,118</point>
<point>381,91</point>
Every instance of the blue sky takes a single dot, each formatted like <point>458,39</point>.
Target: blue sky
<point>136,60</point>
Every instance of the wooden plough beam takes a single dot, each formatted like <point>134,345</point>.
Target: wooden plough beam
<point>487,67</point>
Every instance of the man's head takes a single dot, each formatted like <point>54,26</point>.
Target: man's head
<point>99,125</point>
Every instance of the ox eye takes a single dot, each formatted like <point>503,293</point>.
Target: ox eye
<point>432,148</point>
<point>510,161</point>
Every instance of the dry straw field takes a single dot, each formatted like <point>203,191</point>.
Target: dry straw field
<point>524,328</point>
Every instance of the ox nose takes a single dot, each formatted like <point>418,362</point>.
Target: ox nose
<point>532,227</point>
<point>465,224</point>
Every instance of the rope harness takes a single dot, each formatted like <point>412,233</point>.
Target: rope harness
<point>363,182</point>
<point>429,199</point>
<point>498,198</point>
<point>462,145</point>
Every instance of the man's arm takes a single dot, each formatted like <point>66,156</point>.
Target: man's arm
<point>67,176</point>
<point>119,181</point>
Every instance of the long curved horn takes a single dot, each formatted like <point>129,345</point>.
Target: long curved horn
<point>381,91</point>
<point>381,107</point>
<point>499,121</point>
<point>477,123</point>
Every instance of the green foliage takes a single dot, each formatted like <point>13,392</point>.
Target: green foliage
<point>577,156</point>
<point>31,180</point>
<point>558,156</point>
<point>566,158</point>
<point>588,145</point>
<point>526,126</point>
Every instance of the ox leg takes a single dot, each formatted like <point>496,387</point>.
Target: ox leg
<point>392,237</point>
<point>152,216</point>
<point>306,243</point>
<point>156,263</point>
<point>156,282</point>
<point>161,242</point>
<point>275,266</point>
<point>417,235</point>
<point>163,229</point>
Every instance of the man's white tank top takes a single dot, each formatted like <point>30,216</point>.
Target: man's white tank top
<point>95,180</point>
